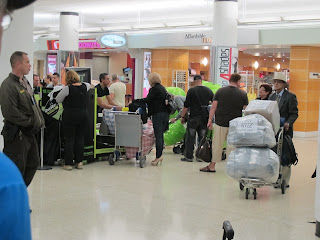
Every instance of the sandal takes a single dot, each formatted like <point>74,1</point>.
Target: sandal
<point>206,169</point>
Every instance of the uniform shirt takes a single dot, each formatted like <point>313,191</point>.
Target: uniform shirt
<point>14,203</point>
<point>101,93</point>
<point>119,90</point>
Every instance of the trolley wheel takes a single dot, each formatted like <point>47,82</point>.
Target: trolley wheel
<point>177,150</point>
<point>224,155</point>
<point>247,193</point>
<point>241,186</point>
<point>283,186</point>
<point>142,162</point>
<point>110,159</point>
<point>254,193</point>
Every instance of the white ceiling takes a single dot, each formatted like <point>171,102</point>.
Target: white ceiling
<point>137,16</point>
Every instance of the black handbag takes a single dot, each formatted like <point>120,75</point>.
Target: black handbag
<point>204,150</point>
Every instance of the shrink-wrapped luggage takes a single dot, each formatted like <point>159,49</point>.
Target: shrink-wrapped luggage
<point>108,119</point>
<point>254,163</point>
<point>266,108</point>
<point>252,130</point>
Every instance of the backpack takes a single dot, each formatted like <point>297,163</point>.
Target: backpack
<point>289,155</point>
<point>171,104</point>
<point>139,103</point>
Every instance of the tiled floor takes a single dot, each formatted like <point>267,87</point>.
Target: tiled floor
<point>170,202</point>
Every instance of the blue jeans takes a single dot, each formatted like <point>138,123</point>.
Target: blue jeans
<point>195,125</point>
<point>160,125</point>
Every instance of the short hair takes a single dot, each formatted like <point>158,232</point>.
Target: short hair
<point>197,77</point>
<point>154,78</point>
<point>235,77</point>
<point>35,75</point>
<point>17,56</point>
<point>114,77</point>
<point>267,87</point>
<point>49,77</point>
<point>102,76</point>
<point>56,74</point>
<point>72,77</point>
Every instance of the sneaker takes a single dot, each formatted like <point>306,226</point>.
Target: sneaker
<point>186,159</point>
<point>67,167</point>
<point>79,165</point>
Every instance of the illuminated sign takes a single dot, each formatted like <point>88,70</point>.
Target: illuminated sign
<point>112,40</point>
<point>83,44</point>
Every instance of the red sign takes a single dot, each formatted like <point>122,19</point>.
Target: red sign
<point>83,44</point>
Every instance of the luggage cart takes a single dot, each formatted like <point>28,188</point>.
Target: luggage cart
<point>128,133</point>
<point>251,184</point>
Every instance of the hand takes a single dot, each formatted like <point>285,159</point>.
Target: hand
<point>209,125</point>
<point>173,120</point>
<point>118,108</point>
<point>183,121</point>
<point>286,126</point>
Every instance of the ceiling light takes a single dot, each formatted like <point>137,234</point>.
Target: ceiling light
<point>301,18</point>
<point>206,47</point>
<point>259,20</point>
<point>116,28</point>
<point>178,24</point>
<point>256,65</point>
<point>153,25</point>
<point>93,29</point>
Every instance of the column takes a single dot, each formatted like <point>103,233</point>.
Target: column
<point>19,37</point>
<point>68,55</point>
<point>317,203</point>
<point>225,32</point>
<point>303,61</point>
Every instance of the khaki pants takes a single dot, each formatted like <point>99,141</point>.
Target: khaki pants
<point>219,136</point>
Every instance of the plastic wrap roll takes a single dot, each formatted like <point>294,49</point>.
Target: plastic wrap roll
<point>251,131</point>
<point>255,163</point>
<point>175,133</point>
<point>214,87</point>
<point>176,91</point>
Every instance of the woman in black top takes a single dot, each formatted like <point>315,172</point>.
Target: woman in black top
<point>75,118</point>
<point>158,109</point>
<point>264,92</point>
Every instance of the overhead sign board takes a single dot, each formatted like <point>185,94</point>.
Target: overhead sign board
<point>112,40</point>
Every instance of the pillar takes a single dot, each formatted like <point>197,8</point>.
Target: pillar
<point>225,36</point>
<point>303,61</point>
<point>68,55</point>
<point>317,202</point>
<point>12,40</point>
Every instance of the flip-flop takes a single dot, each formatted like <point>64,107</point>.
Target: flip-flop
<point>206,169</point>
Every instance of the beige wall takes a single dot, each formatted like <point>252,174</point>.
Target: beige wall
<point>117,61</point>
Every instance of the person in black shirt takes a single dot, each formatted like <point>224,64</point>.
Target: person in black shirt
<point>197,101</point>
<point>102,90</point>
<point>159,111</point>
<point>75,118</point>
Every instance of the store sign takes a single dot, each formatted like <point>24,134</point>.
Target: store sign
<point>52,64</point>
<point>112,40</point>
<point>83,44</point>
<point>198,38</point>
<point>226,64</point>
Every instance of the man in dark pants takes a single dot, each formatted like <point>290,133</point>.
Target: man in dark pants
<point>197,101</point>
<point>22,118</point>
<point>288,108</point>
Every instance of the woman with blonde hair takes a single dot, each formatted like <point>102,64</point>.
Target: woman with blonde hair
<point>159,112</point>
<point>75,118</point>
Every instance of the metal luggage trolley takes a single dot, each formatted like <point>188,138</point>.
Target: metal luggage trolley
<point>254,183</point>
<point>128,133</point>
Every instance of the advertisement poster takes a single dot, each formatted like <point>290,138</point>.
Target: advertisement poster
<point>226,64</point>
<point>146,73</point>
<point>67,59</point>
<point>51,64</point>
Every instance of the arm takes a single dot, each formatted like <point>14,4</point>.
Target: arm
<point>183,114</point>
<point>9,107</point>
<point>110,100</point>
<point>62,94</point>
<point>212,113</point>
<point>293,111</point>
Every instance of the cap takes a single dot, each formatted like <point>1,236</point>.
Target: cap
<point>280,76</point>
<point>16,4</point>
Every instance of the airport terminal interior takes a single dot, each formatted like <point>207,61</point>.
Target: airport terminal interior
<point>177,39</point>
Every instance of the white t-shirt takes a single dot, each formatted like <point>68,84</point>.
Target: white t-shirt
<point>119,91</point>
